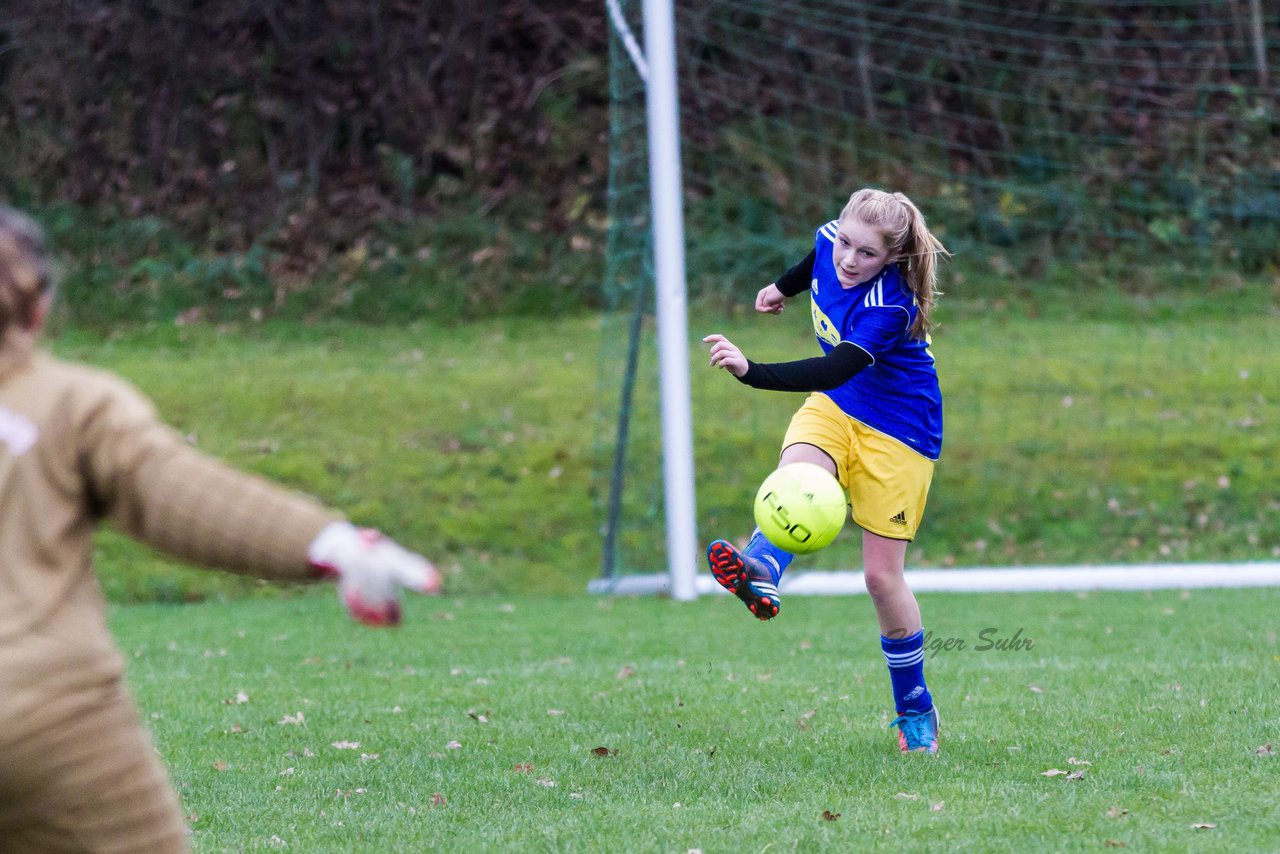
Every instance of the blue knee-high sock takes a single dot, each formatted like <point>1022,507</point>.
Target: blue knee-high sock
<point>905,658</point>
<point>770,555</point>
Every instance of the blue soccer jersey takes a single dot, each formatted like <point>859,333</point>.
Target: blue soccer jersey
<point>898,393</point>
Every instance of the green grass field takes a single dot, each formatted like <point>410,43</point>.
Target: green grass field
<point>476,726</point>
<point>1096,440</point>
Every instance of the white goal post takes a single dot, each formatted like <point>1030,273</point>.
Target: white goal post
<point>657,68</point>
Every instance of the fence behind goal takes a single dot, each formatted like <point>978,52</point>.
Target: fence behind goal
<point>1106,176</point>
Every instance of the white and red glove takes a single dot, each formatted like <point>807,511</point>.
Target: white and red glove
<point>370,570</point>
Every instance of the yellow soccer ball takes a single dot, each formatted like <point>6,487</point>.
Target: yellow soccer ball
<point>800,508</point>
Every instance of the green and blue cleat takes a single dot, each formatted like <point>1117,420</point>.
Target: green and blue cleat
<point>917,731</point>
<point>746,578</point>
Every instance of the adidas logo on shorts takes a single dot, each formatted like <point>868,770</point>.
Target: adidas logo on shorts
<point>900,519</point>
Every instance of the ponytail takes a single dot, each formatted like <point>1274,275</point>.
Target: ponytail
<point>919,252</point>
<point>908,237</point>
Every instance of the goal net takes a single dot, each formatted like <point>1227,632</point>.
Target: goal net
<point>1106,176</point>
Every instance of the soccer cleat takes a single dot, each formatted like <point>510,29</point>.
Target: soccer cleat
<point>745,578</point>
<point>917,731</point>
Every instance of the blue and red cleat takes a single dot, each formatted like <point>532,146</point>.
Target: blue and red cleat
<point>917,731</point>
<point>745,578</point>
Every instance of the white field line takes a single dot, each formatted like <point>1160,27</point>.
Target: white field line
<point>990,580</point>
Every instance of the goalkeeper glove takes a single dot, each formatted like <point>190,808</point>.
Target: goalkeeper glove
<point>370,569</point>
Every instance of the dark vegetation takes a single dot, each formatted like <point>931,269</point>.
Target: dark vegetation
<point>397,159</point>
<point>1063,130</point>
<point>238,153</point>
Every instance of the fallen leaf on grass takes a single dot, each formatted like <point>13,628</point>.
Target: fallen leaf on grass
<point>602,751</point>
<point>555,713</point>
<point>828,815</point>
<point>1035,689</point>
<point>547,781</point>
<point>1203,825</point>
<point>288,772</point>
<point>1116,812</point>
<point>938,806</point>
<point>346,745</point>
<point>238,700</point>
<point>1073,761</point>
<point>1264,750</point>
<point>803,721</point>
<point>293,719</point>
<point>626,672</point>
<point>479,718</point>
<point>369,757</point>
<point>1052,772</point>
<point>220,765</point>
<point>908,796</point>
<point>1075,775</point>
<point>437,799</point>
<point>1113,843</point>
<point>524,767</point>
<point>453,745</point>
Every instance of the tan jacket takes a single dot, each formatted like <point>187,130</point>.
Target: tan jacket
<point>77,446</point>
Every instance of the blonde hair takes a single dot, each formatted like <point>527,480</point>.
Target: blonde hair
<point>907,236</point>
<point>26,275</point>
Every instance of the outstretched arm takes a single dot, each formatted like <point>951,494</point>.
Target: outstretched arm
<point>158,489</point>
<point>821,373</point>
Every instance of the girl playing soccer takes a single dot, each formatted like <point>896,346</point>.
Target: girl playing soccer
<point>874,419</point>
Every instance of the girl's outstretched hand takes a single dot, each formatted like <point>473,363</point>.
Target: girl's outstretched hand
<point>770,300</point>
<point>725,354</point>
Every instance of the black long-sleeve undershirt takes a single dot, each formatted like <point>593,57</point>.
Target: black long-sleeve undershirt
<point>796,280</point>
<point>821,373</point>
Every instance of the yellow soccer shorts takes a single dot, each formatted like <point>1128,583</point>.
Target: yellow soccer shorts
<point>887,482</point>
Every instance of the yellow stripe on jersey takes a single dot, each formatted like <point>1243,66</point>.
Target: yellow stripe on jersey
<point>823,326</point>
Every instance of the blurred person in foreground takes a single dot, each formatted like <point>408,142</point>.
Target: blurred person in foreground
<point>79,446</point>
